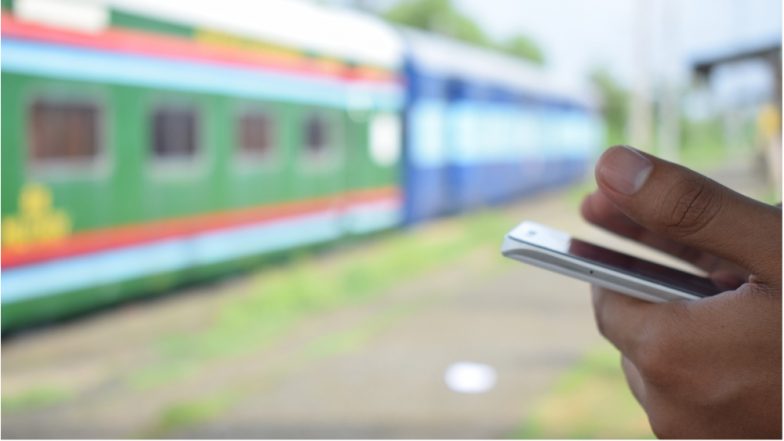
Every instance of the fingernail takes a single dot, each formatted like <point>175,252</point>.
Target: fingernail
<point>624,169</point>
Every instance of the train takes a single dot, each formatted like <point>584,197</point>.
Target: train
<point>149,144</point>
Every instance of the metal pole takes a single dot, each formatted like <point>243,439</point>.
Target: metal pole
<point>639,130</point>
<point>669,110</point>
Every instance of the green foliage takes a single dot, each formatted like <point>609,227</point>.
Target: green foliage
<point>524,47</point>
<point>438,16</point>
<point>441,17</point>
<point>703,145</point>
<point>615,105</point>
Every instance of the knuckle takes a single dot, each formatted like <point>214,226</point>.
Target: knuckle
<point>690,205</point>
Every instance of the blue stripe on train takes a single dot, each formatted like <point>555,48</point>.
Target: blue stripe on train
<point>100,66</point>
<point>102,268</point>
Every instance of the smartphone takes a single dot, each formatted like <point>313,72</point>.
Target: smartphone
<point>557,251</point>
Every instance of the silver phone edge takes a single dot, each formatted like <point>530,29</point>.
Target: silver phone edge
<point>595,274</point>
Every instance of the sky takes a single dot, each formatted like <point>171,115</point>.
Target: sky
<point>579,34</point>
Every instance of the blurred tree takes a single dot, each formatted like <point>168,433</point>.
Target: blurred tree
<point>438,16</point>
<point>615,104</point>
<point>441,17</point>
<point>524,47</point>
<point>363,5</point>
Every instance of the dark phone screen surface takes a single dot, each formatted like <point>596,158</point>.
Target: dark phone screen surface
<point>653,272</point>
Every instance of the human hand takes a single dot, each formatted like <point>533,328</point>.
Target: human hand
<point>709,368</point>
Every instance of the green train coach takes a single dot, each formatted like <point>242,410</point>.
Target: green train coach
<point>148,143</point>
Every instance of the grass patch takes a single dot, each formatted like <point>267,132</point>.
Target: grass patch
<point>159,374</point>
<point>194,412</point>
<point>591,400</point>
<point>37,397</point>
<point>280,298</point>
<point>355,338</point>
<point>190,413</point>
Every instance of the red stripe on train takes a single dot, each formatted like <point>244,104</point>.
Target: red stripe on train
<point>178,48</point>
<point>128,235</point>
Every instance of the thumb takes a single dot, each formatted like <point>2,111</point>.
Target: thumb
<point>691,209</point>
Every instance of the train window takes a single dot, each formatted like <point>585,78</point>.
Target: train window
<point>317,134</point>
<point>174,132</point>
<point>385,139</point>
<point>64,131</point>
<point>255,133</point>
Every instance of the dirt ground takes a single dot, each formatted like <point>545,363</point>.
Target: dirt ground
<point>372,369</point>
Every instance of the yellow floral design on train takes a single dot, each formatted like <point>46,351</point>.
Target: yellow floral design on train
<point>37,220</point>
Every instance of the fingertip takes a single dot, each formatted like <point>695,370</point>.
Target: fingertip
<point>622,171</point>
<point>597,209</point>
<point>604,158</point>
<point>613,147</point>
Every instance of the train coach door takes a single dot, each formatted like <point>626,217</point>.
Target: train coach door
<point>466,143</point>
<point>372,169</point>
<point>317,178</point>
<point>426,166</point>
<point>355,172</point>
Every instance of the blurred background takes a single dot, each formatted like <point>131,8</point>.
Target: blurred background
<point>282,218</point>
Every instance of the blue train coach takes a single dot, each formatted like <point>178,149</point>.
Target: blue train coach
<point>482,128</point>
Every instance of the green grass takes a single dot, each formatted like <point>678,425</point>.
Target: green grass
<point>591,400</point>
<point>36,397</point>
<point>189,413</point>
<point>355,338</point>
<point>280,298</point>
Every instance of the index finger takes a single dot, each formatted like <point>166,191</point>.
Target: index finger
<point>597,209</point>
<point>691,209</point>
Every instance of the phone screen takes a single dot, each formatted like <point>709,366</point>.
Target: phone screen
<point>560,242</point>
<point>653,272</point>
